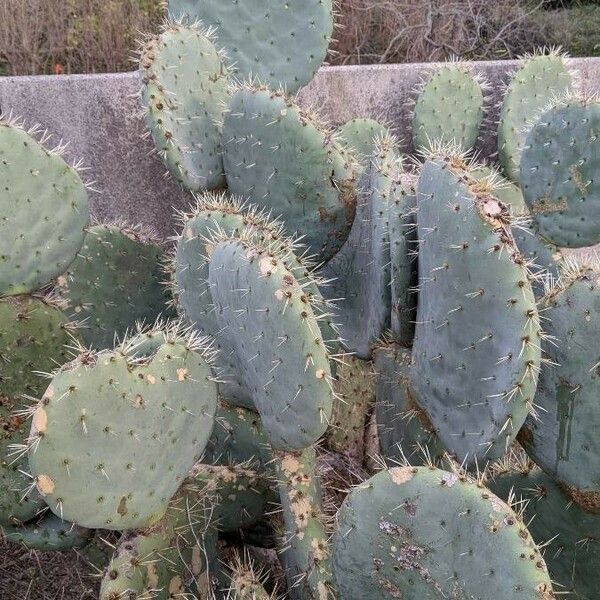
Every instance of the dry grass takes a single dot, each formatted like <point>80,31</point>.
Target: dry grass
<point>382,31</point>
<point>72,36</point>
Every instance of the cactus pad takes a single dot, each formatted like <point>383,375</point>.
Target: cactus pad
<point>361,136</point>
<point>569,533</point>
<point>280,157</point>
<point>360,271</point>
<point>474,377</point>
<point>49,533</point>
<point>405,431</point>
<point>540,78</point>
<point>558,173</point>
<point>270,321</point>
<point>283,44</point>
<point>33,336</point>
<point>563,439</point>
<point>449,108</point>
<point>420,533</point>
<point>116,433</point>
<point>305,553</point>
<point>402,230</point>
<point>43,212</point>
<point>185,87</point>
<point>115,281</point>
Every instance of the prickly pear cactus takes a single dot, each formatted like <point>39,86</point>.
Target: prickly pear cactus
<point>246,582</point>
<point>240,495</point>
<point>238,437</point>
<point>272,325</point>
<point>283,44</point>
<point>33,338</point>
<point>449,108</point>
<point>402,230</point>
<point>558,168</point>
<point>540,78</point>
<point>360,271</point>
<point>355,396</point>
<point>305,553</point>
<point>405,432</point>
<point>175,558</point>
<point>115,281</point>
<point>477,343</point>
<point>419,533</point>
<point>542,257</point>
<point>49,533</point>
<point>115,433</point>
<point>185,87</point>
<point>561,438</point>
<point>361,136</point>
<point>569,533</point>
<point>279,157</point>
<point>43,212</point>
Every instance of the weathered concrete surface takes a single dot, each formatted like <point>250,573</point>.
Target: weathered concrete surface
<point>99,116</point>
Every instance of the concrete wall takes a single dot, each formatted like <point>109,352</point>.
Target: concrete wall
<point>99,116</point>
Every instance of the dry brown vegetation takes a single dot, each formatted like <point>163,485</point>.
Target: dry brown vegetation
<point>382,31</point>
<point>72,36</point>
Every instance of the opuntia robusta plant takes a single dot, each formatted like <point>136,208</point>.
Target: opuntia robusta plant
<point>367,318</point>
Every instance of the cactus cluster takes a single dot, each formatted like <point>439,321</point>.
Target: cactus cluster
<point>337,351</point>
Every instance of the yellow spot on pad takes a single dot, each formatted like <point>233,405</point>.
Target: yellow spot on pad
<point>181,374</point>
<point>44,485</point>
<point>151,379</point>
<point>400,475</point>
<point>40,421</point>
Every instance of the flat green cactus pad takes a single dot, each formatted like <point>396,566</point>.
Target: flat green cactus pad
<point>360,272</point>
<point>477,343</point>
<point>33,336</point>
<point>284,160</point>
<point>116,433</point>
<point>449,108</point>
<point>270,321</point>
<point>402,230</point>
<point>405,431</point>
<point>185,88</point>
<point>43,213</point>
<point>419,533</point>
<point>563,437</point>
<point>175,558</point>
<point>361,135</point>
<point>536,82</point>
<point>49,533</point>
<point>281,43</point>
<point>115,282</point>
<point>569,533</point>
<point>558,173</point>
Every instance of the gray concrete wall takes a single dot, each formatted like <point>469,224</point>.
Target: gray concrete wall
<point>99,116</point>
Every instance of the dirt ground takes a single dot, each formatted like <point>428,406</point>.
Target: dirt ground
<point>29,575</point>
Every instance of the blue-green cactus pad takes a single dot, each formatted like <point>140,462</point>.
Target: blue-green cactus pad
<point>270,321</point>
<point>33,339</point>
<point>185,88</point>
<point>563,437</point>
<point>115,282</point>
<point>361,135</point>
<point>116,433</point>
<point>281,43</point>
<point>449,108</point>
<point>284,160</point>
<point>360,272</point>
<point>477,343</point>
<point>538,80</point>
<point>418,533</point>
<point>570,533</point>
<point>405,431</point>
<point>43,213</point>
<point>559,168</point>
